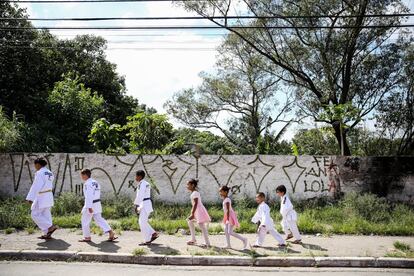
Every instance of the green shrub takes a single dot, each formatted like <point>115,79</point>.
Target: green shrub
<point>117,207</point>
<point>15,213</point>
<point>139,252</point>
<point>9,231</point>
<point>72,221</point>
<point>402,246</point>
<point>368,206</point>
<point>68,204</point>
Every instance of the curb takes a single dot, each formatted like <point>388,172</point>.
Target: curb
<point>125,258</point>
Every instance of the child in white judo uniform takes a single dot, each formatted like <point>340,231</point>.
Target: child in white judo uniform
<point>40,197</point>
<point>289,216</point>
<point>265,222</point>
<point>143,207</point>
<point>93,208</point>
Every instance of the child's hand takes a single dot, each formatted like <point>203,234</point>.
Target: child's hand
<point>90,210</point>
<point>29,201</point>
<point>191,217</point>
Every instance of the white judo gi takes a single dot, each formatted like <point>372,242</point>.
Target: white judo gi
<point>92,193</point>
<point>289,218</point>
<point>263,216</point>
<point>41,194</point>
<point>144,205</point>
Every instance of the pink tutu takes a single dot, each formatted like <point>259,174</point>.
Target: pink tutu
<point>201,215</point>
<point>232,219</point>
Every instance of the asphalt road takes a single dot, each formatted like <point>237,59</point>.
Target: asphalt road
<point>8,268</point>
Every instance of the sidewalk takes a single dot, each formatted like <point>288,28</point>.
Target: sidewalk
<point>312,248</point>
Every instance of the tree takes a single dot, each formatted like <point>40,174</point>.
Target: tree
<point>343,63</point>
<point>107,138</point>
<point>317,141</point>
<point>148,133</point>
<point>9,132</point>
<point>185,141</point>
<point>240,89</point>
<point>23,81</point>
<point>395,115</point>
<point>32,61</point>
<point>74,108</point>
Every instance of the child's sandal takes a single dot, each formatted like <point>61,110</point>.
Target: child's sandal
<point>191,242</point>
<point>297,242</point>
<point>85,240</point>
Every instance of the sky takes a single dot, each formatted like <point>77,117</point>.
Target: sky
<point>167,61</point>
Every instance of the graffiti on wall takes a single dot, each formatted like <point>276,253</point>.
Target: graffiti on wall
<point>303,176</point>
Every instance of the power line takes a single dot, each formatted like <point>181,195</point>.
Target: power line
<point>116,48</point>
<point>89,1</point>
<point>142,35</point>
<point>206,18</point>
<point>202,27</point>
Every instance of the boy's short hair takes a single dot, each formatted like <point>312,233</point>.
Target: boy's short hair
<point>140,173</point>
<point>281,189</point>
<point>262,195</point>
<point>42,162</point>
<point>86,172</point>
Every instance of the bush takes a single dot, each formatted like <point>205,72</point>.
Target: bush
<point>117,207</point>
<point>68,204</point>
<point>368,206</point>
<point>15,213</point>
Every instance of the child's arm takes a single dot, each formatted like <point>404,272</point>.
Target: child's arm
<point>140,194</point>
<point>194,208</point>
<point>256,217</point>
<point>35,188</point>
<point>286,206</point>
<point>228,210</point>
<point>89,197</point>
<point>265,219</point>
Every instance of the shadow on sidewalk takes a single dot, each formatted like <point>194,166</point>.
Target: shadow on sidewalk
<point>163,249</point>
<point>53,244</point>
<point>313,247</point>
<point>280,249</point>
<point>105,246</point>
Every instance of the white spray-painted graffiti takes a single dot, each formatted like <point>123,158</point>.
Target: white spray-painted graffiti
<point>304,176</point>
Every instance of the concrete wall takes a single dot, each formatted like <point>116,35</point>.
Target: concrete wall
<point>304,176</point>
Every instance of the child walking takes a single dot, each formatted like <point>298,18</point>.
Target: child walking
<point>289,215</point>
<point>40,197</point>
<point>93,208</point>
<point>230,218</point>
<point>265,222</point>
<point>198,213</point>
<point>143,208</point>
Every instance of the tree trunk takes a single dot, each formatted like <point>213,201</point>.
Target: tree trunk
<point>341,138</point>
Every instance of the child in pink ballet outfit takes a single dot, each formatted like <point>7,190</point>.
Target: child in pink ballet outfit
<point>198,213</point>
<point>230,218</point>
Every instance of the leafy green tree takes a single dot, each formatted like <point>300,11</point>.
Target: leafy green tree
<point>240,89</point>
<point>23,69</point>
<point>106,137</point>
<point>74,108</point>
<point>9,132</point>
<point>148,133</point>
<point>343,63</point>
<point>395,115</point>
<point>32,61</point>
<point>317,141</point>
<point>187,140</point>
